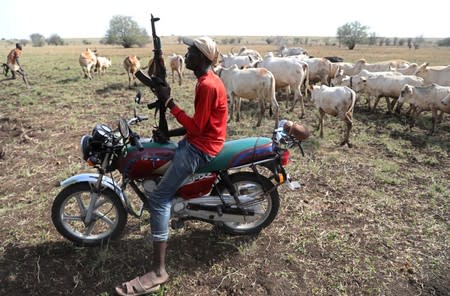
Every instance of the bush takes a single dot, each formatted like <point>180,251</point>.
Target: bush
<point>37,40</point>
<point>125,31</point>
<point>55,40</point>
<point>444,42</point>
<point>351,34</point>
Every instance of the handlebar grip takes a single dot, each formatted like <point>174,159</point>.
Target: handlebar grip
<point>145,79</point>
<point>135,141</point>
<point>153,105</point>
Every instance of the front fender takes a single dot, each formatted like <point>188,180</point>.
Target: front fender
<point>92,178</point>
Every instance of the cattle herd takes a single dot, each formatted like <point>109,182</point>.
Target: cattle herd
<point>333,85</point>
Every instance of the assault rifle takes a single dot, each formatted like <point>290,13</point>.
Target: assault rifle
<point>156,77</point>
<point>5,69</point>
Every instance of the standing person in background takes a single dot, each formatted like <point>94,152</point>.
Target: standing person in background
<point>13,64</point>
<point>205,134</point>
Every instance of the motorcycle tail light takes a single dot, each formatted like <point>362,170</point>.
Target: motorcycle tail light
<point>285,159</point>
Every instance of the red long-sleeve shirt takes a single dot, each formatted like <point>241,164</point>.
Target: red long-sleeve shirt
<point>207,129</point>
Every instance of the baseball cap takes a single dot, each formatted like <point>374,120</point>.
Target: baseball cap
<point>205,44</point>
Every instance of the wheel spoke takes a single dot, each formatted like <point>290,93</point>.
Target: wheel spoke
<point>88,229</point>
<point>72,218</point>
<point>105,219</point>
<point>100,202</point>
<point>81,205</point>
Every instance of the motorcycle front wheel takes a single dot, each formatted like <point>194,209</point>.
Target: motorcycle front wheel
<point>69,213</point>
<point>251,188</point>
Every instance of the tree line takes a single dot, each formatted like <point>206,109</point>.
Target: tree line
<point>124,31</point>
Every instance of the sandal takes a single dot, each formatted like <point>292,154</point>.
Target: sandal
<point>135,288</point>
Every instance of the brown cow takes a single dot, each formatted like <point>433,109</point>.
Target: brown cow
<point>176,66</point>
<point>131,65</point>
<point>88,60</point>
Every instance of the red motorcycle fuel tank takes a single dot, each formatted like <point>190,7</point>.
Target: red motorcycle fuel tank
<point>152,160</point>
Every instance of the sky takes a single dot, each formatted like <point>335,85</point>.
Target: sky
<point>90,19</point>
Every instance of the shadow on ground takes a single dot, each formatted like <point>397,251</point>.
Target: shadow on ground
<point>59,268</point>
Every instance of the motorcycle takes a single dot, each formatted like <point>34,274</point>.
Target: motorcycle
<point>237,191</point>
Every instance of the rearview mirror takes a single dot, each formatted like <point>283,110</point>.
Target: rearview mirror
<point>123,128</point>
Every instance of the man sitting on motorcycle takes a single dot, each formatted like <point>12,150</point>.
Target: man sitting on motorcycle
<point>205,134</point>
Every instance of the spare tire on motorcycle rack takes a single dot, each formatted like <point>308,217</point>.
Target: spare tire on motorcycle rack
<point>298,131</point>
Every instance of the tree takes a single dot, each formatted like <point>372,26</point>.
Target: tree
<point>418,41</point>
<point>395,41</point>
<point>410,42</point>
<point>37,40</point>
<point>351,34</point>
<point>55,40</point>
<point>125,31</point>
<point>269,41</point>
<point>444,42</point>
<point>373,38</point>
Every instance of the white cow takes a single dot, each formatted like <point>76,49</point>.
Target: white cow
<point>426,98</point>
<point>254,54</point>
<point>287,72</point>
<point>241,61</point>
<point>250,84</point>
<point>336,101</point>
<point>176,66</point>
<point>320,70</point>
<point>408,70</point>
<point>379,66</point>
<point>347,68</point>
<point>102,64</point>
<point>285,51</point>
<point>88,60</point>
<point>386,85</point>
<point>439,75</point>
<point>446,100</point>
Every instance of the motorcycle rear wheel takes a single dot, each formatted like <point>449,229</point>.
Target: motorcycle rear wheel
<point>69,210</point>
<point>247,183</point>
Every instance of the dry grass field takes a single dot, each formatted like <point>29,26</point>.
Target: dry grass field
<point>368,220</point>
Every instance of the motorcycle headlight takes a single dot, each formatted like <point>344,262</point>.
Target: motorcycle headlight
<point>85,146</point>
<point>101,133</point>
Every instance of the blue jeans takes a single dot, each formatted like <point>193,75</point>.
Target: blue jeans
<point>185,162</point>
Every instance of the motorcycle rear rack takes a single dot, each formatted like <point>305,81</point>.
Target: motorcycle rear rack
<point>250,164</point>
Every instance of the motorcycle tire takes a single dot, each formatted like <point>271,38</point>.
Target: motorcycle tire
<point>68,213</point>
<point>249,183</point>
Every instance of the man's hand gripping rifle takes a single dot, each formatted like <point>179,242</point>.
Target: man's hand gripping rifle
<point>156,79</point>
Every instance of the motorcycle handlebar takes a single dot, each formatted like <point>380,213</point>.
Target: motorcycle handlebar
<point>137,119</point>
<point>139,144</point>
<point>135,141</point>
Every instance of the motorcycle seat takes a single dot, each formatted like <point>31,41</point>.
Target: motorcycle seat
<point>240,152</point>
